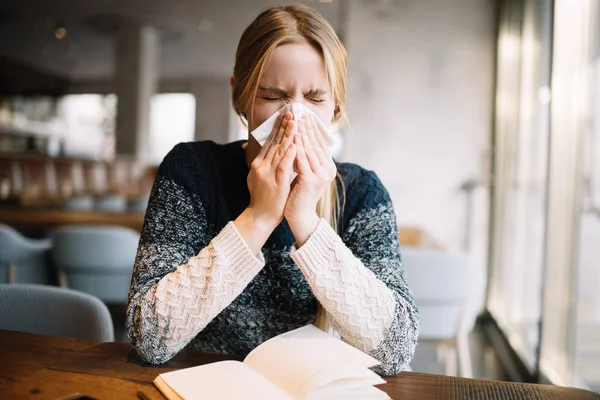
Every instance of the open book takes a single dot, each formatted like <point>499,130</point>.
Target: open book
<point>305,363</point>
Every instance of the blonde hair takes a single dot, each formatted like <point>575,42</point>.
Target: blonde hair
<point>293,24</point>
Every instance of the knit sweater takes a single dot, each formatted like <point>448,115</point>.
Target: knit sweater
<point>196,283</point>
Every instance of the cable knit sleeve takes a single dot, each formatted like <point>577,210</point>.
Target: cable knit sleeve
<point>182,278</point>
<point>359,280</point>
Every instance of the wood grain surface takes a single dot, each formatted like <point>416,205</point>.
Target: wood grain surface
<point>49,218</point>
<point>44,367</point>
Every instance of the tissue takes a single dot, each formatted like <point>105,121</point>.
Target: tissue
<point>262,133</point>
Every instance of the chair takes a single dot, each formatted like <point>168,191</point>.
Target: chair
<point>140,203</point>
<point>96,259</point>
<point>80,203</point>
<point>22,260</point>
<point>448,291</point>
<point>111,203</point>
<point>48,310</point>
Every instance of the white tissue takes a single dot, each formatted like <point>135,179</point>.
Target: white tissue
<point>262,133</point>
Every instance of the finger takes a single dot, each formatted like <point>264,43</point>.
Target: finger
<point>288,136</point>
<point>279,125</point>
<point>324,152</point>
<point>323,141</point>
<point>287,139</point>
<point>275,146</point>
<point>278,150</point>
<point>323,130</point>
<point>284,169</point>
<point>278,130</point>
<point>314,133</point>
<point>309,149</point>
<point>302,163</point>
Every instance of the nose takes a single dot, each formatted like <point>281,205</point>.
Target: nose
<point>297,98</point>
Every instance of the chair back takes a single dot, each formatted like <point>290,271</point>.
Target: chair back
<point>23,260</point>
<point>448,290</point>
<point>80,203</point>
<point>96,259</point>
<point>111,203</point>
<point>140,203</point>
<point>48,310</point>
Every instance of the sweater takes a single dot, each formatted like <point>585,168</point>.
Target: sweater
<point>197,284</point>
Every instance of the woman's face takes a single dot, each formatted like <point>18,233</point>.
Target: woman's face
<point>295,74</point>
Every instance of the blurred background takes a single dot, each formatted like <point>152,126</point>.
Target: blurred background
<point>481,117</point>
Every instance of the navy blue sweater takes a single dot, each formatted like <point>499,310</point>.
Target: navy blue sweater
<point>202,186</point>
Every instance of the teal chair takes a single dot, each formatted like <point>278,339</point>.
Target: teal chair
<point>96,259</point>
<point>23,260</point>
<point>80,203</point>
<point>448,290</point>
<point>140,203</point>
<point>47,310</point>
<point>111,203</point>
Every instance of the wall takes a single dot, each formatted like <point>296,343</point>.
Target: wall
<point>420,107</point>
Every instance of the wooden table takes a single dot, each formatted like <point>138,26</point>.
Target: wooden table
<point>44,367</point>
<point>49,218</point>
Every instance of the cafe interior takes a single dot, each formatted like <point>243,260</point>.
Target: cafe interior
<point>480,117</point>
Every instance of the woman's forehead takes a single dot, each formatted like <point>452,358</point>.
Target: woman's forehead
<point>294,65</point>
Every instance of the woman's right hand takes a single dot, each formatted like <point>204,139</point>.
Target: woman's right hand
<point>269,177</point>
<point>269,184</point>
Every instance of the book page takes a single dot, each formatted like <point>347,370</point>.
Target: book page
<point>349,382</point>
<point>306,358</point>
<point>362,393</point>
<point>222,380</point>
<point>358,386</point>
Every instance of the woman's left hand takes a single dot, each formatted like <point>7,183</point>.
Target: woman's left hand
<point>316,169</point>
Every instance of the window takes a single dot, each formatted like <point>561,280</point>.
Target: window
<point>89,124</point>
<point>172,121</point>
<point>545,253</point>
<point>585,346</point>
<point>522,138</point>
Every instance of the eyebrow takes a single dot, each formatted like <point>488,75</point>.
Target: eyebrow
<point>281,91</point>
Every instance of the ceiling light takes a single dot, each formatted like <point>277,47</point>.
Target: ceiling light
<point>60,33</point>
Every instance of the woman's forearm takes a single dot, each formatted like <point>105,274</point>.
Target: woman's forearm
<point>254,229</point>
<point>169,313</point>
<point>360,305</point>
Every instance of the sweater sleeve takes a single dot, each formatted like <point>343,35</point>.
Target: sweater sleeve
<point>182,279</point>
<point>359,280</point>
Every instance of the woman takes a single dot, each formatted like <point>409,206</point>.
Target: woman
<point>231,254</point>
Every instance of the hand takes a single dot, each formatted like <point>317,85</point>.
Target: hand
<point>269,177</point>
<point>269,184</point>
<point>316,170</point>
